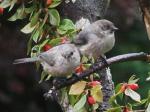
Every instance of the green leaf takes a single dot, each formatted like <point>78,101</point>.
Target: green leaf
<point>36,36</point>
<point>77,88</point>
<point>30,9</point>
<point>66,26</point>
<point>43,75</point>
<point>55,3</point>
<point>116,109</point>
<point>132,80</point>
<point>79,105</point>
<point>55,41</point>
<point>54,17</point>
<point>96,92</point>
<point>148,108</point>
<point>5,3</point>
<point>133,95</point>
<point>20,14</point>
<point>14,17</point>
<point>34,19</point>
<point>29,45</point>
<point>12,4</point>
<point>27,28</point>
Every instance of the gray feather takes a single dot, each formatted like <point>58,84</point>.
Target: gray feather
<point>26,60</point>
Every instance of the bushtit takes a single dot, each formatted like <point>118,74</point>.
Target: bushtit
<point>59,61</point>
<point>96,39</point>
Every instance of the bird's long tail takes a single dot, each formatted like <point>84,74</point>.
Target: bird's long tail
<point>26,60</point>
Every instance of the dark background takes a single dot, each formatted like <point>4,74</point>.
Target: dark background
<point>19,88</point>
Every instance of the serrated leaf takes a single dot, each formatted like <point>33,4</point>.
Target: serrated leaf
<point>133,95</point>
<point>54,17</point>
<point>55,3</point>
<point>27,28</point>
<point>80,104</point>
<point>77,88</point>
<point>5,3</point>
<point>96,92</point>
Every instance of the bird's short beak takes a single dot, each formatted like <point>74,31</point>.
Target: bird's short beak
<point>115,28</point>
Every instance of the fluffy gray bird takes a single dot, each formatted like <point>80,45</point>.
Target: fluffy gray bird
<point>96,39</point>
<point>58,61</point>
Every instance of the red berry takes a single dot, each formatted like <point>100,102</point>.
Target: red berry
<point>91,100</point>
<point>49,2</point>
<point>93,83</point>
<point>1,10</point>
<point>133,86</point>
<point>47,47</point>
<point>79,69</point>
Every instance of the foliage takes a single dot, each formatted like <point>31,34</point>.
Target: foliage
<point>48,29</point>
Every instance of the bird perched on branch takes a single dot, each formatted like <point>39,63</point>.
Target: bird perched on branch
<point>59,61</point>
<point>96,39</point>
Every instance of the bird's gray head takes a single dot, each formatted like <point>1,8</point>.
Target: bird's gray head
<point>70,51</point>
<point>106,26</point>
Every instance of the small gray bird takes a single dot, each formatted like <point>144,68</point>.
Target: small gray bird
<point>59,61</point>
<point>96,39</point>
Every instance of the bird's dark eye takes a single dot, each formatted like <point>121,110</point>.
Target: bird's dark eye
<point>71,53</point>
<point>106,27</point>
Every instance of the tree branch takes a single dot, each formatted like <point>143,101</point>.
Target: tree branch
<point>101,65</point>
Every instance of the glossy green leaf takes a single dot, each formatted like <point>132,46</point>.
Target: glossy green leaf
<point>34,19</point>
<point>148,108</point>
<point>133,95</point>
<point>5,3</point>
<point>27,28</point>
<point>55,3</point>
<point>20,14</point>
<point>54,17</point>
<point>55,41</point>
<point>80,104</point>
<point>116,109</point>
<point>36,36</point>
<point>66,26</point>
<point>12,4</point>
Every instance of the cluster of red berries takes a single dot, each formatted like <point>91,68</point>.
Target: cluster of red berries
<point>90,98</point>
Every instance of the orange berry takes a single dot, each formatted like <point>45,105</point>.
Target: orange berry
<point>79,69</point>
<point>48,2</point>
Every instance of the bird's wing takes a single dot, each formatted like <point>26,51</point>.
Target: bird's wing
<point>48,58</point>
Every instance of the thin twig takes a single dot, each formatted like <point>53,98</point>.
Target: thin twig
<point>101,65</point>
